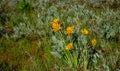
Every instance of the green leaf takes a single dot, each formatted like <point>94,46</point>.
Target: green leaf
<point>56,54</point>
<point>54,39</point>
<point>112,32</point>
<point>84,40</point>
<point>60,44</point>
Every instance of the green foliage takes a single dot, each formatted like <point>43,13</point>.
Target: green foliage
<point>24,6</point>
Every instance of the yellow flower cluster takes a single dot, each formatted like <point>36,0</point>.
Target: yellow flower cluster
<point>93,42</point>
<point>69,46</point>
<point>84,31</point>
<point>55,25</point>
<point>69,30</point>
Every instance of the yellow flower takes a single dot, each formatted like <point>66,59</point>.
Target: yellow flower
<point>69,46</point>
<point>84,31</point>
<point>55,21</point>
<point>56,27</point>
<point>93,42</point>
<point>69,30</point>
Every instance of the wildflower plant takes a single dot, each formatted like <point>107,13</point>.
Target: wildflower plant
<point>72,46</point>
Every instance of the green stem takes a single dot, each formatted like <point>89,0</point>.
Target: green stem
<point>85,58</point>
<point>61,35</point>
